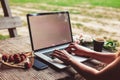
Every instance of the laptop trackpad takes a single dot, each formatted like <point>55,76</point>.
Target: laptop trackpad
<point>77,58</point>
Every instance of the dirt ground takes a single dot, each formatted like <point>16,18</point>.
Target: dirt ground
<point>102,21</point>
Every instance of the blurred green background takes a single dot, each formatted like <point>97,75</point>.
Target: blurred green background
<point>108,3</point>
<point>91,17</point>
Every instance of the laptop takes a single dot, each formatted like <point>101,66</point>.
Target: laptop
<point>48,32</point>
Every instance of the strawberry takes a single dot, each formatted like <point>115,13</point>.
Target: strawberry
<point>11,59</point>
<point>23,57</point>
<point>17,60</point>
<point>27,65</point>
<point>4,58</point>
<point>15,56</point>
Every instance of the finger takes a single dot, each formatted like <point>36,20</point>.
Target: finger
<point>58,52</point>
<point>62,53</point>
<point>73,43</point>
<point>59,56</point>
<point>54,52</point>
<point>55,55</point>
<point>65,54</point>
<point>70,48</point>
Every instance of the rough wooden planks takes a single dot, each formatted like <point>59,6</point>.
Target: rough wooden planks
<point>10,22</point>
<point>7,13</point>
<point>21,44</point>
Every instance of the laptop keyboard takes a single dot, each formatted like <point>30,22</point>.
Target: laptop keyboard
<point>49,54</point>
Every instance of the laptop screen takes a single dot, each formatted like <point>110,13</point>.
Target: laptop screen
<point>49,29</point>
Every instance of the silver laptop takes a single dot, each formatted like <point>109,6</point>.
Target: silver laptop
<point>50,31</point>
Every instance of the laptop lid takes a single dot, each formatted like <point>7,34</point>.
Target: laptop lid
<point>49,29</point>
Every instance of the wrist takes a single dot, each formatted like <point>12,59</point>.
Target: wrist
<point>70,61</point>
<point>84,53</point>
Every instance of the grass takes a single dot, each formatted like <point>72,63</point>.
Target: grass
<point>53,2</point>
<point>90,30</point>
<point>76,7</point>
<point>108,3</point>
<point>3,37</point>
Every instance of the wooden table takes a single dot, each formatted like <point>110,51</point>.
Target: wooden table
<point>22,44</point>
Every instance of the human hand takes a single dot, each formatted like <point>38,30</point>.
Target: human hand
<point>62,55</point>
<point>77,49</point>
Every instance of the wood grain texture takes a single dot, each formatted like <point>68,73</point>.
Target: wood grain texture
<point>7,13</point>
<point>22,44</point>
<point>10,22</point>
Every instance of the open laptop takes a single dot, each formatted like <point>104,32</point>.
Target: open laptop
<point>50,31</point>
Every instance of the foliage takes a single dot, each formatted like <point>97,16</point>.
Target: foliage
<point>111,45</point>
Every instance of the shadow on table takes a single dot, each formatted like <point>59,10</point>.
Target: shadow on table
<point>75,76</point>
